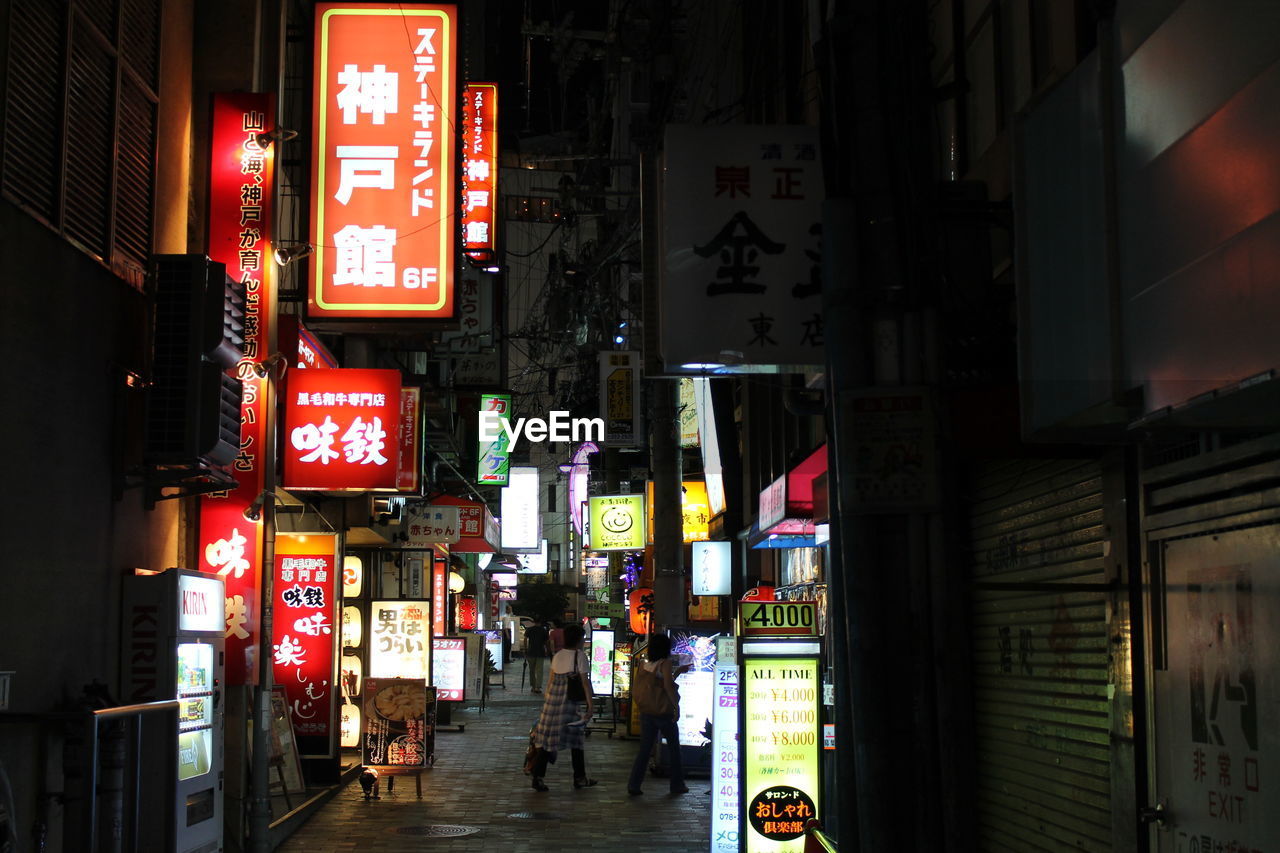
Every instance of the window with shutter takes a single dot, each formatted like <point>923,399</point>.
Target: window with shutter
<point>79,123</point>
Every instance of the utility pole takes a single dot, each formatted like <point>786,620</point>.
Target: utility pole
<point>668,517</point>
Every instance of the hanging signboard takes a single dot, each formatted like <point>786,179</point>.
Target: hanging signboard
<point>495,452</point>
<point>768,618</point>
<point>439,597</point>
<point>409,441</point>
<point>533,564</point>
<point>303,639</point>
<point>340,430</point>
<point>241,215</point>
<point>620,397</point>
<point>688,413</point>
<point>617,523</point>
<point>426,525</point>
<point>780,751</point>
<point>724,761</point>
<point>479,176</point>
<point>695,510</point>
<point>382,157</point>
<point>399,723</point>
<point>742,211</point>
<point>398,634</point>
<point>449,663</point>
<point>521,521</point>
<point>712,562</point>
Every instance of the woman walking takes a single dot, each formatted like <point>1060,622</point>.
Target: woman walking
<point>659,706</point>
<point>567,705</point>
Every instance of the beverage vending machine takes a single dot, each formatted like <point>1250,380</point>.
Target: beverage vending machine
<point>173,627</point>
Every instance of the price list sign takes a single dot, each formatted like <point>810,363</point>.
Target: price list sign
<point>780,746</point>
<point>724,761</point>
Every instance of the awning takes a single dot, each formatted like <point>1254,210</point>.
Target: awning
<point>787,505</point>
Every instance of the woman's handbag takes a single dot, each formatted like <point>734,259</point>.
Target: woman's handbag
<point>530,757</point>
<point>576,692</point>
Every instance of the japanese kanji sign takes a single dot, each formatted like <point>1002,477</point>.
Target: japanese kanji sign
<point>620,397</point>
<point>779,788</point>
<point>427,525</point>
<point>399,635</point>
<point>479,176</point>
<point>241,177</point>
<point>495,454</point>
<point>409,436</point>
<point>742,212</point>
<point>340,429</point>
<point>303,637</point>
<point>617,523</point>
<point>383,212</point>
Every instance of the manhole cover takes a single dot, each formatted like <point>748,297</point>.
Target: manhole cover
<point>437,830</point>
<point>534,816</point>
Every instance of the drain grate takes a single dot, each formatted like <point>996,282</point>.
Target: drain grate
<point>437,830</point>
<point>534,816</point>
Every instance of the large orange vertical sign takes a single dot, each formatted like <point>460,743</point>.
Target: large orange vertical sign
<point>383,201</point>
<point>479,177</point>
<point>241,177</point>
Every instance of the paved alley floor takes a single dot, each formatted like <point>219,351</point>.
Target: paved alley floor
<point>477,786</point>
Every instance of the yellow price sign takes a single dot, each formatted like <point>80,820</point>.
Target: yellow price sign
<point>777,619</point>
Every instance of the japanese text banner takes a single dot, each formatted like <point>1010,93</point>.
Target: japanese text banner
<point>241,181</point>
<point>383,203</point>
<point>302,634</point>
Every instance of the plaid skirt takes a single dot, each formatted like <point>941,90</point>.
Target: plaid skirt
<point>552,732</point>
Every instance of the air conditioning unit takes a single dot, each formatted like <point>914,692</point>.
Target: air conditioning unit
<point>193,404</point>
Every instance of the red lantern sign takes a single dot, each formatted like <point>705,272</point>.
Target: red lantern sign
<point>640,609</point>
<point>340,430</point>
<point>466,613</point>
<point>383,202</point>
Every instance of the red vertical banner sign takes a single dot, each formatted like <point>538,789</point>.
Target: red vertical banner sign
<point>408,474</point>
<point>383,212</point>
<point>440,597</point>
<point>479,176</point>
<point>241,181</point>
<point>303,637</point>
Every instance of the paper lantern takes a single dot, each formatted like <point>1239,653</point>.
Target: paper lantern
<point>640,609</point>
<point>466,613</point>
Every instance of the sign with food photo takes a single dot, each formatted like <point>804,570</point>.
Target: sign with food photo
<point>399,723</point>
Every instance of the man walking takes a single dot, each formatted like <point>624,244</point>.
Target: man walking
<point>536,653</point>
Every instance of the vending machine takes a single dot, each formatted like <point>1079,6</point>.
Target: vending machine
<point>173,627</point>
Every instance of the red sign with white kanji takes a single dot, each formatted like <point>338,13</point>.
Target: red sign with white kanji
<point>479,175</point>
<point>340,429</point>
<point>241,175</point>
<point>383,195</point>
<point>303,633</point>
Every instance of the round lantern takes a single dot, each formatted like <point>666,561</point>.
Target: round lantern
<point>640,609</point>
<point>760,592</point>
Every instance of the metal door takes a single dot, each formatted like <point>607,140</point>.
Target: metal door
<point>1216,638</point>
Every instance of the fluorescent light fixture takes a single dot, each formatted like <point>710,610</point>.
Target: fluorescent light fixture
<point>702,365</point>
<point>779,647</point>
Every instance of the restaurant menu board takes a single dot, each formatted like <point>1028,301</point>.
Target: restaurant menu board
<point>398,639</point>
<point>449,663</point>
<point>600,662</point>
<point>399,723</point>
<point>622,669</point>
<point>780,750</point>
<point>724,762</point>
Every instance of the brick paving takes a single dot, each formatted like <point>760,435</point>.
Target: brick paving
<point>477,781</point>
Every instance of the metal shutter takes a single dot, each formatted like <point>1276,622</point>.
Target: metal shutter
<point>90,134</point>
<point>1040,657</point>
<point>33,107</point>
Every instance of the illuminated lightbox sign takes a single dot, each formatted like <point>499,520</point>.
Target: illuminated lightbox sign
<point>495,453</point>
<point>340,429</point>
<point>479,177</point>
<point>409,441</point>
<point>520,529</point>
<point>398,634</point>
<point>711,568</point>
<point>533,564</point>
<point>695,511</point>
<point>302,632</point>
<point>724,752</point>
<point>449,658</point>
<point>617,523</point>
<point>200,603</point>
<point>600,662</point>
<point>383,186</point>
<point>780,747</point>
